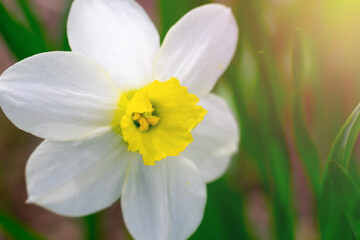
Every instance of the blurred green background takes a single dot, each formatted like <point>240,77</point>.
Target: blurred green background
<point>293,83</point>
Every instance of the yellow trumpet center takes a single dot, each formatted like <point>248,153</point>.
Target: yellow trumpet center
<point>157,120</point>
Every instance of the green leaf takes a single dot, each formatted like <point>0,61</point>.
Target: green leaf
<point>172,11</point>
<point>224,214</point>
<point>16,230</point>
<point>256,32</point>
<point>334,226</point>
<point>254,29</point>
<point>348,195</point>
<point>343,145</point>
<point>93,227</point>
<point>64,44</point>
<point>275,144</point>
<point>332,221</point>
<point>304,143</point>
<point>30,17</point>
<point>251,137</point>
<point>276,150</point>
<point>21,41</point>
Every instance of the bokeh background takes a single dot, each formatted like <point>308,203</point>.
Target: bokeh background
<point>294,81</point>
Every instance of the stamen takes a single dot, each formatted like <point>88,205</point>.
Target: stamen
<point>144,125</point>
<point>153,120</point>
<point>136,116</point>
<point>145,120</point>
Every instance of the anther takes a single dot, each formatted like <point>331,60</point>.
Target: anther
<point>145,120</point>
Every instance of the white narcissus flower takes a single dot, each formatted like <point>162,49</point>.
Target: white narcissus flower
<point>122,116</point>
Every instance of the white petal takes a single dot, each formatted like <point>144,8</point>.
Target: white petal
<point>58,95</point>
<point>117,34</point>
<point>76,178</point>
<point>216,139</point>
<point>165,201</point>
<point>198,48</point>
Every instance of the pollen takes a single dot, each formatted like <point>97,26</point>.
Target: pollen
<point>145,120</point>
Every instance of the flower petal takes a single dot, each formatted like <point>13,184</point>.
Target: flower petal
<point>58,95</point>
<point>76,178</point>
<point>216,139</point>
<point>165,201</point>
<point>117,34</point>
<point>198,48</point>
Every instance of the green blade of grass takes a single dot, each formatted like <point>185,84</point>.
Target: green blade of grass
<point>258,37</point>
<point>172,11</point>
<point>93,226</point>
<point>21,41</point>
<point>304,143</point>
<point>64,42</point>
<point>348,195</point>
<point>276,151</point>
<point>224,214</point>
<point>31,18</point>
<point>271,130</point>
<point>13,229</point>
<point>251,137</point>
<point>250,130</point>
<point>252,25</point>
<point>334,226</point>
<point>343,145</point>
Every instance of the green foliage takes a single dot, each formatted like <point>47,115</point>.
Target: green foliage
<point>276,151</point>
<point>32,20</point>
<point>93,228</point>
<point>64,42</point>
<point>172,11</point>
<point>224,214</point>
<point>16,230</point>
<point>334,226</point>
<point>345,140</point>
<point>22,41</point>
<point>305,145</point>
<point>348,195</point>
